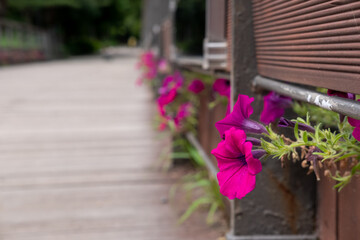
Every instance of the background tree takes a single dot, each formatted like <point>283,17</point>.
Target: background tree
<point>84,25</point>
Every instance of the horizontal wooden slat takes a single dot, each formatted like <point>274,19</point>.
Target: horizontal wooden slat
<point>328,60</point>
<point>327,12</point>
<point>292,11</point>
<point>316,35</point>
<point>333,46</point>
<point>324,53</point>
<point>347,26</point>
<point>322,40</point>
<point>330,67</point>
<point>264,3</point>
<point>275,6</point>
<point>346,82</point>
<point>326,22</point>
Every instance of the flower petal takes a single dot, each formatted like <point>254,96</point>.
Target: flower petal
<point>254,165</point>
<point>242,107</point>
<point>274,107</point>
<point>236,182</point>
<point>356,133</point>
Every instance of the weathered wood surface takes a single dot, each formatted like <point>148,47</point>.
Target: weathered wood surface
<point>78,156</point>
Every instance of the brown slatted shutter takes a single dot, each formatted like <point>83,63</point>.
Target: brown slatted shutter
<point>229,26</point>
<point>310,42</point>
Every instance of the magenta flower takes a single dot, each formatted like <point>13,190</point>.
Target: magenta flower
<point>171,82</point>
<point>147,59</point>
<point>341,94</point>
<point>163,118</point>
<point>222,87</point>
<point>148,65</point>
<point>238,167</point>
<point>283,122</point>
<point>274,107</point>
<point>163,66</point>
<point>196,86</point>
<point>183,112</point>
<point>355,123</point>
<point>239,118</point>
<point>356,133</point>
<point>167,98</point>
<point>169,88</point>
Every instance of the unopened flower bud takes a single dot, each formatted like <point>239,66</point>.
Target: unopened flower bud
<point>320,164</point>
<point>343,164</point>
<point>295,156</point>
<point>283,122</point>
<point>327,173</point>
<point>304,164</point>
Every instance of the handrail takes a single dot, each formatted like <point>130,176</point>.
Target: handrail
<point>343,106</point>
<point>209,164</point>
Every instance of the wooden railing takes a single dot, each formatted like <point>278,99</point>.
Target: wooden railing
<point>22,43</point>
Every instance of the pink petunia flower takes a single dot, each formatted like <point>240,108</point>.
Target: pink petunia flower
<point>353,122</point>
<point>171,82</point>
<point>163,118</point>
<point>274,107</point>
<point>168,90</point>
<point>163,66</point>
<point>341,94</point>
<point>196,86</point>
<point>183,112</point>
<point>240,118</point>
<point>356,133</point>
<point>238,167</point>
<point>222,87</point>
<point>148,65</point>
<point>166,98</point>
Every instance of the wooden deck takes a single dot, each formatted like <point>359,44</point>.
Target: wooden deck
<point>78,156</point>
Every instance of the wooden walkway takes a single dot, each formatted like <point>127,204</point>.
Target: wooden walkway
<point>77,156</point>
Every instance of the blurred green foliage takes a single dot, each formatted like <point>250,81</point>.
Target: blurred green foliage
<point>84,25</point>
<point>190,26</point>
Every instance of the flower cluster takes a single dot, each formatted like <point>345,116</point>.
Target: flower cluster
<point>238,154</point>
<point>150,66</point>
<point>236,161</point>
<point>173,103</point>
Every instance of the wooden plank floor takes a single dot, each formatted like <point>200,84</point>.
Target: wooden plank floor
<point>78,156</point>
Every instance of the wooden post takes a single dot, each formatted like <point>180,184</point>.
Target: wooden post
<point>282,206</point>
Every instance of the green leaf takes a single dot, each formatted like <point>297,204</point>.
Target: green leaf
<point>296,130</point>
<point>180,155</point>
<point>210,217</point>
<point>305,137</point>
<point>191,209</point>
